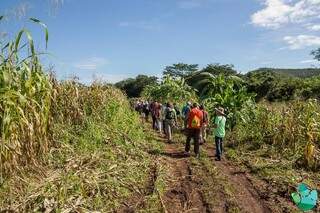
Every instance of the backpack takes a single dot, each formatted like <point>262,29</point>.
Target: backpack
<point>195,122</point>
<point>185,110</point>
<point>170,114</point>
<point>177,110</point>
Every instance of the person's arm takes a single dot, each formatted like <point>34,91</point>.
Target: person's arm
<point>187,115</point>
<point>201,119</point>
<point>216,123</point>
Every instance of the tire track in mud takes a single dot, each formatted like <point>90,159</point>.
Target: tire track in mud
<point>183,189</point>
<point>182,194</point>
<point>246,196</point>
<point>186,179</point>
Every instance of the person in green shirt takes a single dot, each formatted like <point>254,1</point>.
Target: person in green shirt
<point>219,131</point>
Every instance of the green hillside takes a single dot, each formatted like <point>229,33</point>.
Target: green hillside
<point>301,73</point>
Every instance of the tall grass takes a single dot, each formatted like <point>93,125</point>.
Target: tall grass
<point>292,130</point>
<point>64,145</point>
<point>25,102</point>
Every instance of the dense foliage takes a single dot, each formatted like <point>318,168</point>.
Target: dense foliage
<point>170,89</point>
<point>65,146</point>
<point>300,73</point>
<point>134,86</point>
<point>25,101</point>
<point>180,70</point>
<point>227,91</point>
<point>316,54</point>
<point>291,131</point>
<point>274,86</point>
<point>220,69</point>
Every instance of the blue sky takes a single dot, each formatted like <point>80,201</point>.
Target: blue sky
<point>115,39</point>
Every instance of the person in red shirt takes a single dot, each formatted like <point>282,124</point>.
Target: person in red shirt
<point>194,124</point>
<point>155,112</point>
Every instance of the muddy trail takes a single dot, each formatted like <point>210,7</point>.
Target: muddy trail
<point>204,185</point>
<point>251,191</point>
<point>183,194</point>
<point>187,192</point>
<point>247,197</point>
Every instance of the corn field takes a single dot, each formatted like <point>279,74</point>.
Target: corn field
<point>32,101</point>
<point>62,124</point>
<point>25,104</point>
<point>292,130</point>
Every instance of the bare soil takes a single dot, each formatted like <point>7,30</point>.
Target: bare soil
<point>184,192</point>
<point>191,187</point>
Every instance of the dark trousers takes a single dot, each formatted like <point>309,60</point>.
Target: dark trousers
<point>147,115</point>
<point>195,135</point>
<point>218,141</point>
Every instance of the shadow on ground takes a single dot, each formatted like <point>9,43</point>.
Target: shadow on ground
<point>175,155</point>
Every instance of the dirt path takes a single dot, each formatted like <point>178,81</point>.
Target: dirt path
<point>202,185</point>
<point>245,193</point>
<point>183,188</point>
<point>183,193</point>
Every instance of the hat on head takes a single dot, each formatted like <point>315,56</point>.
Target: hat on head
<point>220,110</point>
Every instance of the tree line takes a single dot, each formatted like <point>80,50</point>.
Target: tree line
<point>266,83</point>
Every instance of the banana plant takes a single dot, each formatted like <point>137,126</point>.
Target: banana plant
<point>171,89</point>
<point>226,91</point>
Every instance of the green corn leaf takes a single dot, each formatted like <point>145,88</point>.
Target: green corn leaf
<point>5,46</point>
<point>45,28</point>
<point>30,40</point>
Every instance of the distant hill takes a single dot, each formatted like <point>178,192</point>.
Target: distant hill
<point>300,73</point>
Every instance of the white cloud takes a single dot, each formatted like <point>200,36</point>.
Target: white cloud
<point>277,13</point>
<point>91,63</point>
<point>302,41</point>
<point>315,27</point>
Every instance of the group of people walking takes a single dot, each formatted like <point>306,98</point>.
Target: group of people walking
<point>193,118</point>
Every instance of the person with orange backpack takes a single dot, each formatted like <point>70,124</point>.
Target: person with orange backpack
<point>194,124</point>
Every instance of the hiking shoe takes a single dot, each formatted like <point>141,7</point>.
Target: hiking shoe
<point>197,156</point>
<point>217,159</point>
<point>187,154</point>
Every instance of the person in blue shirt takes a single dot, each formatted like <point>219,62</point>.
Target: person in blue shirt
<point>185,111</point>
